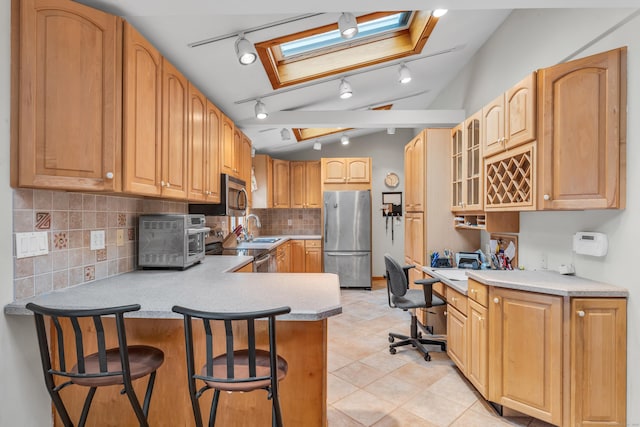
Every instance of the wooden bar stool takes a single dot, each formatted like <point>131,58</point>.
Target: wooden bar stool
<point>245,369</point>
<point>114,366</point>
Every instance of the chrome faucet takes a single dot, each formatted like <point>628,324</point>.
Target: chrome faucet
<point>249,236</point>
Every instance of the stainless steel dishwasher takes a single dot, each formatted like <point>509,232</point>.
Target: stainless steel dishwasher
<point>265,263</point>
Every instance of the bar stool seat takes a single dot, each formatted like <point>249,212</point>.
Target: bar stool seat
<point>143,360</point>
<point>241,370</point>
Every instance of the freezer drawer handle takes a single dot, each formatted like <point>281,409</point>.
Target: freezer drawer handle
<point>347,254</point>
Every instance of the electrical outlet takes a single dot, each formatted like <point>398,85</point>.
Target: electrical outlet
<point>97,239</point>
<point>120,237</point>
<point>543,261</point>
<point>289,222</point>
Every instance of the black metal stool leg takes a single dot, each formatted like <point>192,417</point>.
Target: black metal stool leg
<point>147,396</point>
<point>87,405</point>
<point>214,407</point>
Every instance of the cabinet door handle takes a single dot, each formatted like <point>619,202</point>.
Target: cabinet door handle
<point>109,175</point>
<point>496,300</point>
<point>580,313</point>
<point>546,197</point>
<point>473,291</point>
<point>445,312</point>
<point>168,184</point>
<point>162,184</point>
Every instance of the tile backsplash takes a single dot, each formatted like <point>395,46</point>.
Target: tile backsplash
<point>68,219</point>
<point>287,221</point>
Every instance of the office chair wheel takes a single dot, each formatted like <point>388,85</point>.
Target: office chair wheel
<point>420,335</point>
<point>427,358</point>
<point>391,339</point>
<point>392,350</point>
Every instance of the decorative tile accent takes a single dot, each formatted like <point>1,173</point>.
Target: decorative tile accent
<point>101,255</point>
<point>132,233</point>
<point>89,273</point>
<point>43,221</point>
<point>122,220</point>
<point>60,240</point>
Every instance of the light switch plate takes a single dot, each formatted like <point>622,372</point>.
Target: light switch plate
<point>97,239</point>
<point>32,244</point>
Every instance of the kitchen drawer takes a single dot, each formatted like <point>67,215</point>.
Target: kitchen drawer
<point>478,292</point>
<point>457,300</point>
<point>313,243</point>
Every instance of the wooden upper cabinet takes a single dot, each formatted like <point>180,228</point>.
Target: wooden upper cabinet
<point>227,147</point>
<point>414,164</point>
<point>525,331</point>
<point>142,115</point>
<point>473,168</point>
<point>245,164</point>
<point>582,136</point>
<point>175,99</point>
<point>196,145</point>
<point>510,119</point>
<point>263,196</point>
<point>212,170</point>
<point>349,170</point>
<point>70,108</point>
<point>305,184</point>
<point>280,183</point>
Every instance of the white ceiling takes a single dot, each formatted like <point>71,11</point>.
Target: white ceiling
<point>214,69</point>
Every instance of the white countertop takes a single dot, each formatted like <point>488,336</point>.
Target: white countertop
<point>546,282</point>
<point>208,286</point>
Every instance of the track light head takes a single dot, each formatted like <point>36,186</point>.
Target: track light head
<point>245,51</point>
<point>285,135</point>
<point>348,25</point>
<point>261,110</point>
<point>345,89</point>
<point>404,75</point>
<point>391,131</point>
<point>317,146</point>
<point>344,140</point>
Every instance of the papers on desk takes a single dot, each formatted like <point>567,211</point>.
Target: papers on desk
<point>452,274</point>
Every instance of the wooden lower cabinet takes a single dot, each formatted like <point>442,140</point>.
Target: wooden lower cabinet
<point>245,269</point>
<point>303,392</point>
<point>457,337</point>
<point>306,256</point>
<point>477,347</point>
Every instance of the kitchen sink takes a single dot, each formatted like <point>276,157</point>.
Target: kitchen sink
<point>265,239</point>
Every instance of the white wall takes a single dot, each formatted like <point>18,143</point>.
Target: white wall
<point>534,39</point>
<point>23,398</point>
<point>387,155</point>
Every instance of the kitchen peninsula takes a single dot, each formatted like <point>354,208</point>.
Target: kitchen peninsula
<point>212,286</point>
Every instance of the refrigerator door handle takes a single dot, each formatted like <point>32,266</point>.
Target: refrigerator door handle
<point>325,223</point>
<point>347,253</point>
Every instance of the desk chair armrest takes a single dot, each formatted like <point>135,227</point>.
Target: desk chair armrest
<point>427,288</point>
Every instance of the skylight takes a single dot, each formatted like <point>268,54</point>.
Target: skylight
<point>332,38</point>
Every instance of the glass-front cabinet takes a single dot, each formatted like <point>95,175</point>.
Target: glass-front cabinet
<point>466,166</point>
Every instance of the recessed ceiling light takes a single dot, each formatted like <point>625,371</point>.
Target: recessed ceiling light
<point>261,110</point>
<point>440,12</point>
<point>245,51</point>
<point>345,89</point>
<point>348,25</point>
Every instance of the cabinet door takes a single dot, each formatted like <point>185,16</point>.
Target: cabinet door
<point>212,176</point>
<point>582,142</point>
<point>520,112</point>
<point>313,256</point>
<point>526,348</point>
<point>414,237</point>
<point>358,170</point>
<point>227,148</point>
<point>473,188</point>
<point>598,361</point>
<point>245,161</point>
<point>297,180</point>
<point>493,126</point>
<point>415,173</point>
<point>69,102</point>
<point>297,256</point>
<point>280,183</point>
<point>196,144</point>
<point>457,337</point>
<point>334,171</point>
<point>174,132</point>
<point>408,186</point>
<point>312,182</point>
<point>142,115</point>
<point>457,169</point>
<point>478,347</point>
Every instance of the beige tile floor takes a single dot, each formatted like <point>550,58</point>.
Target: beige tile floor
<point>367,386</point>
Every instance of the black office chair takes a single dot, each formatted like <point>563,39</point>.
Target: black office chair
<point>114,366</point>
<point>400,296</point>
<point>240,370</point>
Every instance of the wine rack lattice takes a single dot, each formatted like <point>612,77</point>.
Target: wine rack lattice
<point>509,180</point>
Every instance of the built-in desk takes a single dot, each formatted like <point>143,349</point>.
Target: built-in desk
<point>544,344</point>
<point>302,338</point>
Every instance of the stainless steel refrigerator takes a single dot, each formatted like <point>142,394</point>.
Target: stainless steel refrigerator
<point>347,237</point>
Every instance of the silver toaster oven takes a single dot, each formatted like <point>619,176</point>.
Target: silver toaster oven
<point>171,240</point>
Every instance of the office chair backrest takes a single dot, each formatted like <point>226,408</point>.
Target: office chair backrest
<point>397,280</point>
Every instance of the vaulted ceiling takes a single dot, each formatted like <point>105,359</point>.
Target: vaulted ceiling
<point>213,67</point>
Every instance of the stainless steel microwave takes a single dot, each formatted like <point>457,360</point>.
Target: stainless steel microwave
<point>171,240</point>
<point>233,199</point>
